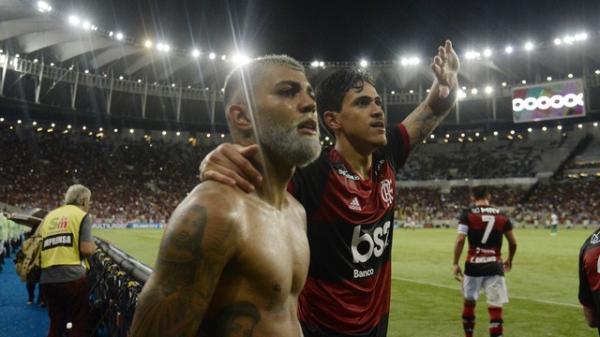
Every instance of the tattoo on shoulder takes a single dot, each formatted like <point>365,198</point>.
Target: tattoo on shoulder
<point>183,243</point>
<point>238,319</point>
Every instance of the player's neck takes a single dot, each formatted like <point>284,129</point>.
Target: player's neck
<point>359,159</point>
<point>482,202</point>
<point>277,175</point>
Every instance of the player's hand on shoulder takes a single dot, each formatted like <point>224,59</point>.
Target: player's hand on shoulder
<point>230,164</point>
<point>458,274</point>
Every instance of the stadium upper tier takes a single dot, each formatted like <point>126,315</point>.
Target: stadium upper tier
<point>62,65</point>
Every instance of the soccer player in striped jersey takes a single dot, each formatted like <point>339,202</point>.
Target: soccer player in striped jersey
<point>483,226</point>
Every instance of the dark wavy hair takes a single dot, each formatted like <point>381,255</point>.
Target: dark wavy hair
<point>331,91</point>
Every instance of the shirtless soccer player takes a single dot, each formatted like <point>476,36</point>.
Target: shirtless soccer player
<point>231,263</point>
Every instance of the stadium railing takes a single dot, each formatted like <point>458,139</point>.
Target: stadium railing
<point>117,278</point>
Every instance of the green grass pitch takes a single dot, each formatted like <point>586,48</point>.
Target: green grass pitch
<point>426,301</point>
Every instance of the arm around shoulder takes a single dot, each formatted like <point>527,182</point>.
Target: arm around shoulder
<point>199,241</point>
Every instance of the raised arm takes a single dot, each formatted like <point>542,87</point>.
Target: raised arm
<point>199,241</point>
<point>442,96</point>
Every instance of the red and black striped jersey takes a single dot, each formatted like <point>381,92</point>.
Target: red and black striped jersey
<point>350,230</point>
<point>589,274</point>
<point>484,227</point>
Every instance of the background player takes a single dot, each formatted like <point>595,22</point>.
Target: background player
<point>484,227</point>
<point>589,279</point>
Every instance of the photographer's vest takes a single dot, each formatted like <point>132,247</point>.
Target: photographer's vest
<point>60,232</point>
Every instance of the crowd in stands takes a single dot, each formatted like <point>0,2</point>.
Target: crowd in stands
<point>143,180</point>
<point>471,161</point>
<point>130,180</point>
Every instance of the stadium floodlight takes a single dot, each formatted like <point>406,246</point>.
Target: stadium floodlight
<point>432,136</point>
<point>111,33</point>
<point>119,36</point>
<point>52,64</point>
<point>476,134</point>
<point>35,60</point>
<point>17,56</point>
<point>208,135</point>
<point>529,130</point>
<point>580,126</point>
<point>173,85</point>
<point>559,127</point>
<point>321,64</point>
<point>363,63</point>
<point>570,76</point>
<point>74,20</point>
<point>239,59</point>
<point>195,53</point>
<point>523,82</point>
<point>503,84</point>
<point>223,57</point>
<point>100,129</point>
<point>148,44</point>
<point>581,36</point>
<point>34,123</point>
<point>495,133</point>
<point>461,94</point>
<point>428,90</point>
<point>488,89</point>
<point>178,133</point>
<point>393,92</point>
<point>512,132</point>
<point>163,47</point>
<point>549,78</point>
<point>86,71</point>
<point>411,91</point>
<point>222,135</point>
<point>84,128</point>
<point>528,46</point>
<point>472,55</point>
<point>116,130</point>
<point>69,127</point>
<point>139,80</point>
<point>557,41</point>
<point>487,52</point>
<point>410,61</point>
<point>544,128</point>
<point>86,25</point>
<point>1,119</point>
<point>597,72</point>
<point>462,135</point>
<point>595,124</point>
<point>314,64</point>
<point>508,49</point>
<point>212,56</point>
<point>43,7</point>
<point>447,135</point>
<point>474,91</point>
<point>164,133</point>
<point>131,130</point>
<point>121,78</point>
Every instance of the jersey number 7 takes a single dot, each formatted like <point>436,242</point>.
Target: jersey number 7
<point>489,220</point>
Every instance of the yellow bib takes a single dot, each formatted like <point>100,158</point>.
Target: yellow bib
<point>60,233</point>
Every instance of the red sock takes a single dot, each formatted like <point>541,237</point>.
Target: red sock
<point>495,321</point>
<point>468,317</point>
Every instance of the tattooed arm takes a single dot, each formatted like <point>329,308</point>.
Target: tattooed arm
<point>429,114</point>
<point>199,241</point>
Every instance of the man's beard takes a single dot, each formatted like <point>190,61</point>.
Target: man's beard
<point>288,145</point>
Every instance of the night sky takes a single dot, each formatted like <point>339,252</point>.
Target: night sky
<point>338,30</point>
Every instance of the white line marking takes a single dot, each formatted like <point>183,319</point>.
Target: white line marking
<point>515,297</point>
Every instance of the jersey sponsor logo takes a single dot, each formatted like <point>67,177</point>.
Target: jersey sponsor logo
<point>363,273</point>
<point>483,259</point>
<point>369,244</point>
<point>387,192</point>
<point>355,205</point>
<point>489,210</point>
<point>344,172</point>
<point>58,240</point>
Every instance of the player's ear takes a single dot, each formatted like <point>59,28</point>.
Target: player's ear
<point>238,117</point>
<point>331,120</point>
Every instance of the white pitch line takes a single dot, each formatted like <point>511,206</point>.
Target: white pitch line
<point>515,297</point>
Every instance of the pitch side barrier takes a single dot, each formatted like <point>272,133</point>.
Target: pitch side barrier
<point>117,278</point>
